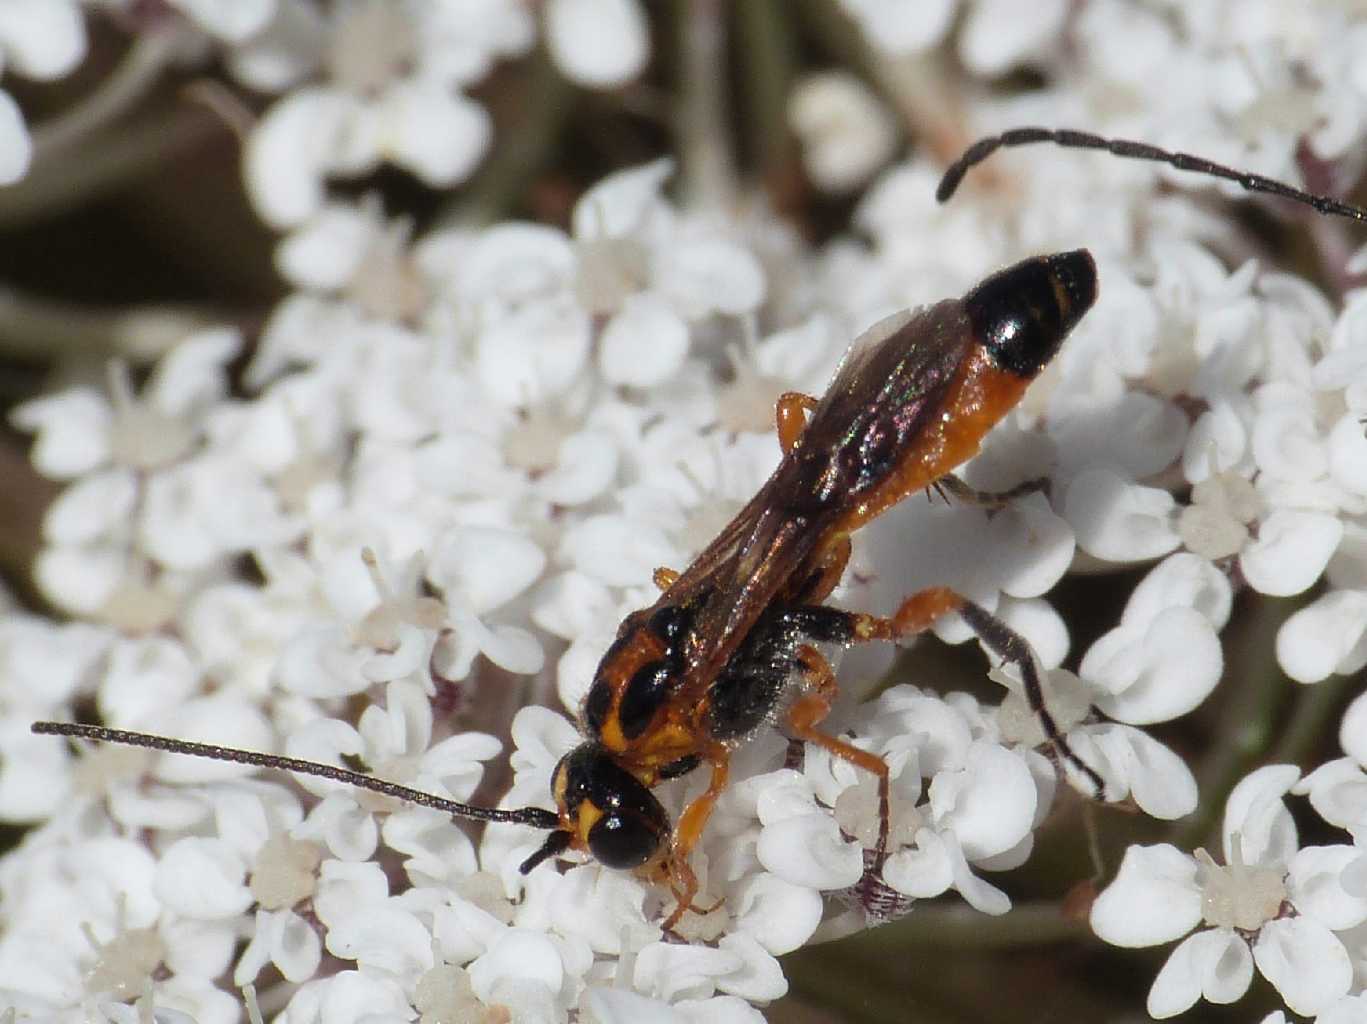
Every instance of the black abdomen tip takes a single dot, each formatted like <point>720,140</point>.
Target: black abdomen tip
<point>1023,313</point>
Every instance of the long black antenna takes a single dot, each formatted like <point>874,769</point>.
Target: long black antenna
<point>536,817</point>
<point>1070,139</point>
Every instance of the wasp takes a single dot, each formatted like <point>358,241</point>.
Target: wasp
<point>731,643</point>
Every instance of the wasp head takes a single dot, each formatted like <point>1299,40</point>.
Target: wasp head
<point>603,809</point>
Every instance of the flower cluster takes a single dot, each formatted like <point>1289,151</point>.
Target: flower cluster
<point>455,457</point>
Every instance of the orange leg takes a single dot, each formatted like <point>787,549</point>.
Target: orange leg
<point>689,830</point>
<point>811,709</point>
<point>791,415</point>
<point>921,609</point>
<point>665,577</point>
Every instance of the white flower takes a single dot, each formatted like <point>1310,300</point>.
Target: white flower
<point>1271,906</point>
<point>42,41</point>
<point>597,43</point>
<point>845,132</point>
<point>395,75</point>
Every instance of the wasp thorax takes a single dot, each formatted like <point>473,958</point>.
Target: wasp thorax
<point>609,810</point>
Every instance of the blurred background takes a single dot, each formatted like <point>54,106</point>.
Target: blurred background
<point>133,225</point>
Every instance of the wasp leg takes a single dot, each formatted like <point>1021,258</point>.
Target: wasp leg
<point>921,609</point>
<point>791,415</point>
<point>684,883</point>
<point>665,577</point>
<point>811,709</point>
<point>993,501</point>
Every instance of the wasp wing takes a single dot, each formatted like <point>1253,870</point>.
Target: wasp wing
<point>886,389</point>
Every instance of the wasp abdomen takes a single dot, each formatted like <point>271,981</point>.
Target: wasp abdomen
<point>1022,314</point>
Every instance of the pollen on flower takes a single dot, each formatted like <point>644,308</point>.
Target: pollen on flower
<point>445,995</point>
<point>142,437</point>
<point>286,872</point>
<point>1214,525</point>
<point>1239,895</point>
<point>746,402</point>
<point>138,606</point>
<point>610,269</point>
<point>123,966</point>
<point>485,890</point>
<point>102,766</point>
<point>856,812</point>
<point>380,626</point>
<point>533,443</point>
<point>371,44</point>
<point>1066,697</point>
<point>387,284</point>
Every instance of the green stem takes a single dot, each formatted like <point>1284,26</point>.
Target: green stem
<point>768,62</point>
<point>41,329</point>
<point>707,168</point>
<point>523,151</point>
<point>122,90</point>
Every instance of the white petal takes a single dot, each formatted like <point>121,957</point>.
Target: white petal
<point>807,850</point>
<point>1291,551</point>
<point>203,878</point>
<point>1348,1010</point>
<point>1348,454</point>
<point>222,719</point>
<point>438,135</point>
<point>597,43</point>
<point>297,950</point>
<point>517,954</point>
<point>990,804</point>
<point>290,151</point>
<point>1160,781</point>
<point>998,36</point>
<point>42,39</point>
<point>603,1005</point>
<point>233,23</point>
<point>616,550</point>
<point>386,937</point>
<point>1314,884</point>
<point>1256,810</point>
<point>622,202</point>
<point>1324,637</point>
<point>1119,520</point>
<point>534,353</point>
<point>644,344</point>
<point>72,428</point>
<point>326,251</point>
<point>485,567</point>
<point>584,468</point>
<point>710,276</point>
<point>845,131</point>
<point>923,870</point>
<point>1155,674</point>
<point>780,915</point>
<point>91,507</point>
<point>758,978</point>
<point>1153,899</point>
<point>1214,963</point>
<point>16,147</point>
<point>1305,962</point>
<point>1181,579</point>
<point>81,579</point>
<point>1353,729</point>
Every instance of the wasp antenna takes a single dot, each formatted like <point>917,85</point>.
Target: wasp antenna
<point>537,817</point>
<point>1070,139</point>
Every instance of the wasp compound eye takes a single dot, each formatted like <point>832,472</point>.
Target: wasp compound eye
<point>1022,314</point>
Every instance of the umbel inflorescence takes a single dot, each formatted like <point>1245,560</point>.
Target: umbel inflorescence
<point>450,462</point>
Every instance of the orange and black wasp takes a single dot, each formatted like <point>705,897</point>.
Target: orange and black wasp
<point>731,642</point>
